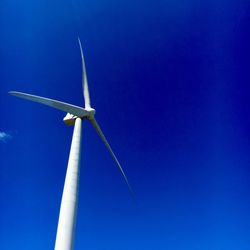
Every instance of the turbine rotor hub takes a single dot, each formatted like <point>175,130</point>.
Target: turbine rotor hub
<point>91,112</point>
<point>69,119</point>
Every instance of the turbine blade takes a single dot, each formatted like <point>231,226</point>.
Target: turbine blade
<point>99,132</point>
<point>66,107</point>
<point>84,80</point>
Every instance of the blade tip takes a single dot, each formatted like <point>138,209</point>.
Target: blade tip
<point>80,43</point>
<point>12,92</point>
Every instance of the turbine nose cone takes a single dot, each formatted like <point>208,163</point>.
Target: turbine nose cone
<point>91,112</point>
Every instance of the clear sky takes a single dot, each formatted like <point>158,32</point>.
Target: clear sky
<point>170,83</point>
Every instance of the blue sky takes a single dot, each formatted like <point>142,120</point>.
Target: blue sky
<point>170,83</point>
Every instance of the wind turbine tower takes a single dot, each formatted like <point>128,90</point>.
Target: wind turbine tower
<point>75,116</point>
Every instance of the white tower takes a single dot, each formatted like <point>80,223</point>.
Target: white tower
<point>68,210</point>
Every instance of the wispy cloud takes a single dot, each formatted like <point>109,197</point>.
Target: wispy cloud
<point>4,136</point>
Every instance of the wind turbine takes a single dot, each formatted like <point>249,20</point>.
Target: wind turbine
<point>75,116</point>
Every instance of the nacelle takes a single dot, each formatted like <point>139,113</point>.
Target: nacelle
<point>69,119</point>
